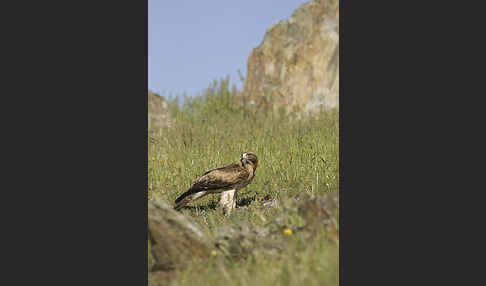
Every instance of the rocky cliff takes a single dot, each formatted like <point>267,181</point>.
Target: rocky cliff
<point>297,64</point>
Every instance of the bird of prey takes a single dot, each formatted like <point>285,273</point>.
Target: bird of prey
<point>225,180</point>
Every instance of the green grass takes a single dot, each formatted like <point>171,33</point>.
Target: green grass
<point>294,156</point>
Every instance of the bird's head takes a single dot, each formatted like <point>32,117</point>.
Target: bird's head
<point>249,158</point>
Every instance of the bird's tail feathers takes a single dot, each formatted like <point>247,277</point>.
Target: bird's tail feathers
<point>190,195</point>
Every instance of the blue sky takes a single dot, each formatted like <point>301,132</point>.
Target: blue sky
<point>190,43</point>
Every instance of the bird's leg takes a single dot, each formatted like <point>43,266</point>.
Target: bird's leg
<point>227,201</point>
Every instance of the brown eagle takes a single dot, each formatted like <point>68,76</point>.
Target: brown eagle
<point>226,180</point>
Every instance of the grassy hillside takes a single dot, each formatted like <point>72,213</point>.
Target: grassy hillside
<point>295,156</point>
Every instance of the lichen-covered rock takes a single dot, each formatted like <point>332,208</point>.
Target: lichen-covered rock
<point>174,240</point>
<point>304,215</point>
<point>244,241</point>
<point>319,211</point>
<point>309,215</point>
<point>297,64</point>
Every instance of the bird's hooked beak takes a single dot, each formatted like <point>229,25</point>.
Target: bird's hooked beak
<point>243,159</point>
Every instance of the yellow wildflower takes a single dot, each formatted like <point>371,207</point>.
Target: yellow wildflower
<point>153,158</point>
<point>287,231</point>
<point>214,253</point>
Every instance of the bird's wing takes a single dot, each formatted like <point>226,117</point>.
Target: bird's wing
<point>213,180</point>
<point>221,178</point>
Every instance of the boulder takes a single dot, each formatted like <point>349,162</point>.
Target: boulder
<point>158,112</point>
<point>296,67</point>
<point>174,239</point>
